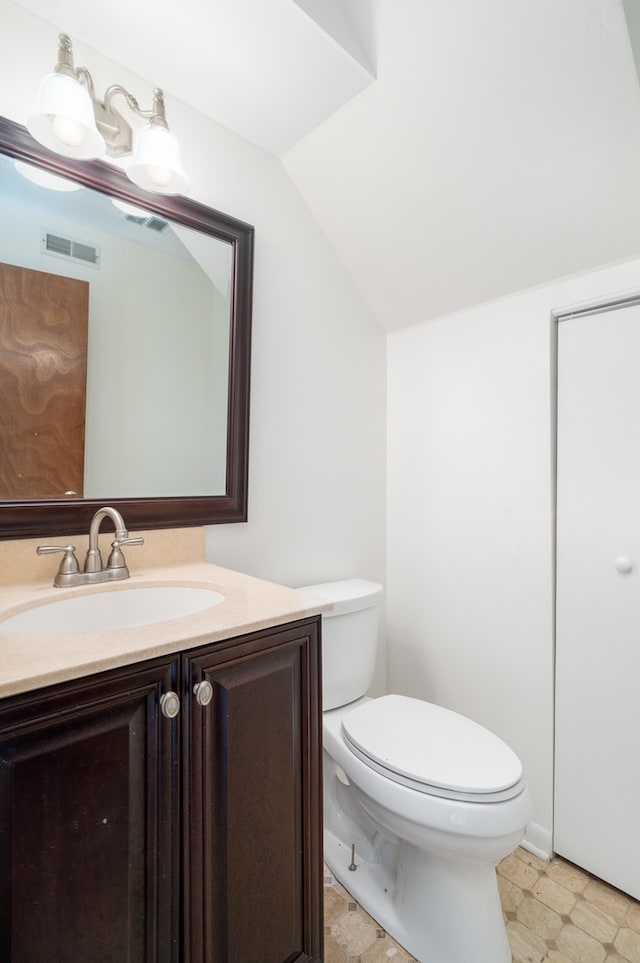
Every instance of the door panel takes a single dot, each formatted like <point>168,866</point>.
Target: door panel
<point>43,373</point>
<point>597,768</point>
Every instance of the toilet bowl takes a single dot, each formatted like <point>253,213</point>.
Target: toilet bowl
<point>420,802</point>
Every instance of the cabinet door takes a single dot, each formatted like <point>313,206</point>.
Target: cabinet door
<point>253,814</point>
<point>87,822</point>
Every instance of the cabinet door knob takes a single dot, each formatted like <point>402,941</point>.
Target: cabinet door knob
<point>203,692</point>
<point>170,705</point>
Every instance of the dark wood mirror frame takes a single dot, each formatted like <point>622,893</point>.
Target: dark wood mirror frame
<point>23,519</point>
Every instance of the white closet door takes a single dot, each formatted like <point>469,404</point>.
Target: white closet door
<point>597,764</point>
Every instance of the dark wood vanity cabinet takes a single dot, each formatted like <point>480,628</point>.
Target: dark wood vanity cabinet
<point>253,843</point>
<point>88,821</point>
<point>130,837</point>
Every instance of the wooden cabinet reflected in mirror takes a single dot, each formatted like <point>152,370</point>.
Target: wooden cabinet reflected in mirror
<point>162,431</point>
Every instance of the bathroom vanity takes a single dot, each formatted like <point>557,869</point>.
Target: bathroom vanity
<point>160,787</point>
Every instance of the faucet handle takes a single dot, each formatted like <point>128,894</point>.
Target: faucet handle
<point>68,565</point>
<point>116,558</point>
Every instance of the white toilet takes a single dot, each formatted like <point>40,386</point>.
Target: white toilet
<point>420,802</point>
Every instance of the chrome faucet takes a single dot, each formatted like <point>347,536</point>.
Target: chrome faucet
<point>69,572</point>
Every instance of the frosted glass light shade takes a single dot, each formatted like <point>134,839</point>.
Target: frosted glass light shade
<point>157,164</point>
<point>63,119</point>
<point>45,178</point>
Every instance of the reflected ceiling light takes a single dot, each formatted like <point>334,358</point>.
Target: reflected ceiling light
<point>45,178</point>
<point>131,209</point>
<point>69,120</point>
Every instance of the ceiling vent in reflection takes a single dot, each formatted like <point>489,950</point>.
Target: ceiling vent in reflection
<point>58,245</point>
<point>153,223</point>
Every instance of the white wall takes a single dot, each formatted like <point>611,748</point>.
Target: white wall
<point>470,573</point>
<point>317,455</point>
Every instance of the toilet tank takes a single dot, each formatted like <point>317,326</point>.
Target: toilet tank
<point>349,638</point>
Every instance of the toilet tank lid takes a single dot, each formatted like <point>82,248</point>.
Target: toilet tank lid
<point>347,595</point>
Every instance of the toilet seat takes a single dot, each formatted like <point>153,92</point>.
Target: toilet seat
<point>432,750</point>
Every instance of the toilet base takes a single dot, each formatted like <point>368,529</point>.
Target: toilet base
<point>370,884</point>
<point>425,863</point>
<point>441,912</point>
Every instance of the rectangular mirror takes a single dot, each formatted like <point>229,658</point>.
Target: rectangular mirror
<point>125,323</point>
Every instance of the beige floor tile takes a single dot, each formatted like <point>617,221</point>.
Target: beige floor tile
<point>333,952</point>
<point>541,920</point>
<point>526,947</point>
<point>386,951</point>
<point>632,918</point>
<point>579,946</point>
<point>531,860</point>
<point>609,900</point>
<point>627,943</point>
<point>330,882</point>
<point>510,895</point>
<point>556,957</point>
<point>553,895</point>
<point>355,931</point>
<point>567,875</point>
<point>594,921</point>
<point>335,905</point>
<point>518,872</point>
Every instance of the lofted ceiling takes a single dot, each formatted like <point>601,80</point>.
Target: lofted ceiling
<point>452,153</point>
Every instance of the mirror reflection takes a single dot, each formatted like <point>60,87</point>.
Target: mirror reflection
<point>114,347</point>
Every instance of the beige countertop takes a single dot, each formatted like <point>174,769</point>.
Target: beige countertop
<point>32,661</point>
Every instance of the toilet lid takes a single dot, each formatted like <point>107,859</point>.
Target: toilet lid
<point>433,749</point>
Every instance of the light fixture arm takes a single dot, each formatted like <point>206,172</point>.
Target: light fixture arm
<point>65,58</point>
<point>66,66</point>
<point>157,113</point>
<point>114,128</point>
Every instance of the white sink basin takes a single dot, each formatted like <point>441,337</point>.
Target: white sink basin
<point>124,608</point>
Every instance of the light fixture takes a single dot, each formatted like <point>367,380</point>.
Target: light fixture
<point>70,120</point>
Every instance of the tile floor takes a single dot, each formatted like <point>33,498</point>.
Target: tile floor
<point>554,912</point>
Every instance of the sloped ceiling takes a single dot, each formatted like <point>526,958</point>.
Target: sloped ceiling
<point>497,148</point>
